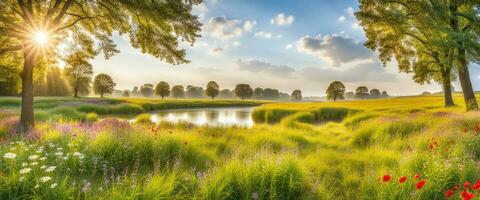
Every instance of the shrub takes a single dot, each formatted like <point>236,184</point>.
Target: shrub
<point>91,117</point>
<point>144,118</point>
<point>67,113</point>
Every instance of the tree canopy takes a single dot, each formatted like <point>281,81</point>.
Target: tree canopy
<point>243,91</point>
<point>178,91</point>
<point>336,90</point>
<point>361,92</point>
<point>147,90</point>
<point>79,73</point>
<point>103,84</point>
<point>162,89</point>
<point>297,95</point>
<point>212,89</point>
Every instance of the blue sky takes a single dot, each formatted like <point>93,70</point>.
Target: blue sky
<point>283,44</point>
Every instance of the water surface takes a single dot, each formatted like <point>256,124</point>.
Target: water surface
<point>229,116</point>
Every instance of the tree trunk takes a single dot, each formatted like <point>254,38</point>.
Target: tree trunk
<point>463,74</point>
<point>101,95</point>
<point>26,116</point>
<point>447,88</point>
<point>75,94</point>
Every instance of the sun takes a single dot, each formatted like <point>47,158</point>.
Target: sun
<point>41,37</point>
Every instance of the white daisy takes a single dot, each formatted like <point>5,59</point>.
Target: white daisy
<point>51,168</point>
<point>45,179</point>
<point>9,155</point>
<point>25,170</point>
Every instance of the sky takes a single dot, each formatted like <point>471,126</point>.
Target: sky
<point>282,44</point>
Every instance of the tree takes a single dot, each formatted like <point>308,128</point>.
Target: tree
<point>375,93</point>
<point>426,37</point>
<point>243,91</point>
<point>297,95</point>
<point>135,91</point>
<point>385,94</point>
<point>361,92</point>
<point>225,94</point>
<point>350,95</point>
<point>126,93</point>
<point>9,80</point>
<point>258,93</point>
<point>212,89</point>
<point>103,84</point>
<point>162,89</point>
<point>37,28</point>
<point>79,72</point>
<point>194,91</point>
<point>147,90</point>
<point>178,91</point>
<point>336,90</point>
<point>269,93</point>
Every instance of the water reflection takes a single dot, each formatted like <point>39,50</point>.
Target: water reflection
<point>240,116</point>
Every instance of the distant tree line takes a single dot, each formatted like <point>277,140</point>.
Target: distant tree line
<point>336,91</point>
<point>212,90</point>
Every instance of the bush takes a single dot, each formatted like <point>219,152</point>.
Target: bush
<point>144,118</point>
<point>67,114</point>
<point>91,117</point>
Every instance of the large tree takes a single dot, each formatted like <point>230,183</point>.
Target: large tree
<point>428,38</point>
<point>361,92</point>
<point>336,90</point>
<point>269,93</point>
<point>147,90</point>
<point>375,93</point>
<point>178,91</point>
<point>258,93</point>
<point>297,95</point>
<point>35,29</point>
<point>212,89</point>
<point>103,84</point>
<point>79,72</point>
<point>243,91</point>
<point>162,89</point>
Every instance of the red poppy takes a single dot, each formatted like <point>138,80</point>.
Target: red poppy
<point>420,184</point>
<point>467,195</point>
<point>417,176</point>
<point>386,178</point>
<point>476,186</point>
<point>448,193</point>
<point>466,184</point>
<point>465,129</point>
<point>402,179</point>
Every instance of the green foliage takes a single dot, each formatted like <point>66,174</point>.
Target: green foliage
<point>297,95</point>
<point>336,90</point>
<point>147,90</point>
<point>67,113</point>
<point>103,84</point>
<point>162,89</point>
<point>79,72</point>
<point>243,91</point>
<point>53,84</point>
<point>178,91</point>
<point>212,89</point>
<point>144,118</point>
<point>361,92</point>
<point>91,117</point>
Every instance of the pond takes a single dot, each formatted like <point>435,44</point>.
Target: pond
<point>228,116</point>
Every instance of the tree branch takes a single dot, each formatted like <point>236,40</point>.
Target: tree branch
<point>62,12</point>
<point>11,48</point>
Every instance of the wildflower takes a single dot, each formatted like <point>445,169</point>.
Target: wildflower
<point>467,195</point>
<point>86,186</point>
<point>21,179</point>
<point>76,153</point>
<point>33,157</point>
<point>255,195</point>
<point>476,186</point>
<point>51,168</point>
<point>43,158</point>
<point>43,167</point>
<point>386,178</point>
<point>34,163</point>
<point>465,129</point>
<point>9,155</point>
<point>45,179</point>
<point>402,179</point>
<point>24,164</point>
<point>59,153</point>
<point>25,170</point>
<point>417,176</point>
<point>420,184</point>
<point>448,193</point>
<point>466,184</point>
<point>53,185</point>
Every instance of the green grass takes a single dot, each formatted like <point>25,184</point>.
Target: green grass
<point>326,150</point>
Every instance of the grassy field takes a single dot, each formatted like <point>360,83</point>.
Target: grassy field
<point>399,148</point>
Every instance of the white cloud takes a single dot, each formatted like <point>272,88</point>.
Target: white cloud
<point>356,25</point>
<point>216,51</point>
<point>249,25</point>
<point>350,12</point>
<point>267,35</point>
<point>236,43</point>
<point>334,48</point>
<point>223,28</point>
<point>341,18</point>
<point>262,34</point>
<point>282,20</point>
<point>289,46</point>
<point>257,66</point>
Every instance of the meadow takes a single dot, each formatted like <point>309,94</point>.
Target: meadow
<point>397,148</point>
